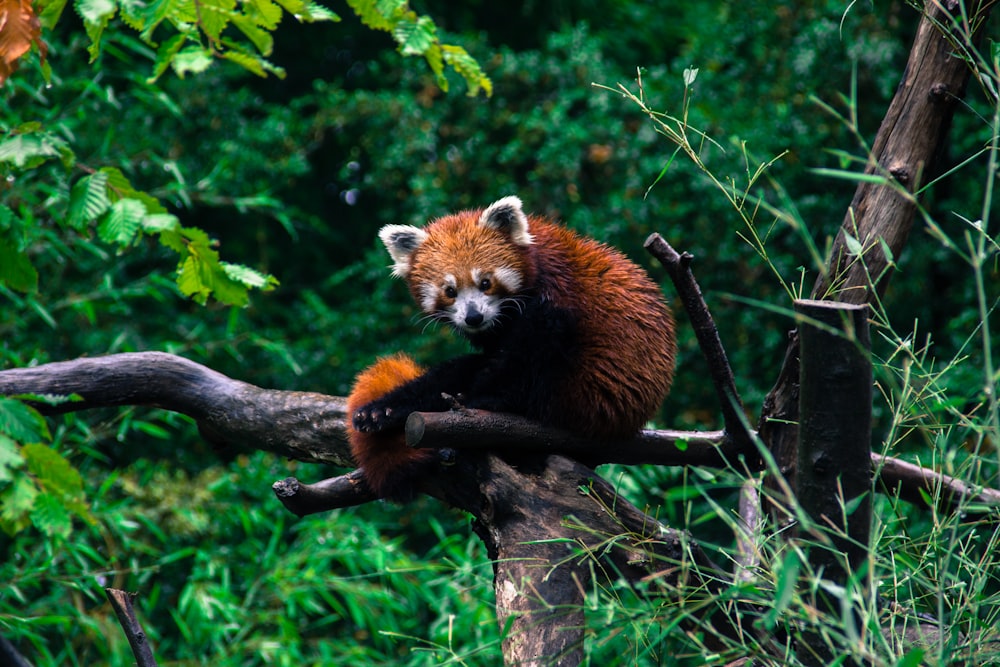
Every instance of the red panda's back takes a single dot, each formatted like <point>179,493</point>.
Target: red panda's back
<point>625,333</point>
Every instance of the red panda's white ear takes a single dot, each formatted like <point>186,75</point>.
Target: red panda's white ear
<point>402,241</point>
<point>507,215</point>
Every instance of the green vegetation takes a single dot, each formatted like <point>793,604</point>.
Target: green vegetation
<point>231,218</point>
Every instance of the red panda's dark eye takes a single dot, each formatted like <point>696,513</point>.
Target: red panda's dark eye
<point>450,292</point>
<point>484,284</point>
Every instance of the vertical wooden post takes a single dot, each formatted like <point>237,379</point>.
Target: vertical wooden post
<point>834,480</point>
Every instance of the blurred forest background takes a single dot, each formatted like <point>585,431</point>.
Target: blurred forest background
<point>294,176</point>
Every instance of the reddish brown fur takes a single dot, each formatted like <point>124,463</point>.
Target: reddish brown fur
<point>386,459</point>
<point>456,244</point>
<point>627,362</point>
<point>623,356</point>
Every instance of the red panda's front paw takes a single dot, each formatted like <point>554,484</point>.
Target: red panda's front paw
<point>372,418</point>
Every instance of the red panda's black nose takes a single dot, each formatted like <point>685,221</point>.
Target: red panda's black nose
<point>473,318</point>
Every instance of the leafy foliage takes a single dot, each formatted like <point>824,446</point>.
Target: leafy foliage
<point>105,199</point>
<point>38,486</point>
<point>417,36</point>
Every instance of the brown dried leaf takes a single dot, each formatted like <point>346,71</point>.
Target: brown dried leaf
<point>19,29</point>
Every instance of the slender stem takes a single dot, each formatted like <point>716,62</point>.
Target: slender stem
<point>980,255</point>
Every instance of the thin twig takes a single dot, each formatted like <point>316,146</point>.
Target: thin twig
<point>329,494</point>
<point>121,602</point>
<point>678,266</point>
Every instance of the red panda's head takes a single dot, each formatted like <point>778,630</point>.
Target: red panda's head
<point>467,267</point>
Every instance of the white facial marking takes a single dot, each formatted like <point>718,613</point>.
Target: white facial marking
<point>428,297</point>
<point>474,311</point>
<point>511,279</point>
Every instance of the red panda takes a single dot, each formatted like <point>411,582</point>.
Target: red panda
<point>568,332</point>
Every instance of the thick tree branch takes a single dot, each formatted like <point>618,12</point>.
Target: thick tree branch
<point>904,151</point>
<point>549,531</point>
<point>311,427</point>
<point>478,430</point>
<point>300,425</point>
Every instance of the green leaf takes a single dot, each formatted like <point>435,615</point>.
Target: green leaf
<point>315,12</point>
<point>123,222</point>
<point>850,175</point>
<point>912,658</point>
<point>54,473</point>
<point>88,200</point>
<point>22,422</point>
<point>182,14</point>
<point>887,251</point>
<point>467,67</point>
<point>194,60</point>
<point>191,281</point>
<point>95,11</point>
<point>165,55</point>
<point>261,39</point>
<point>375,15</point>
<point>16,501</point>
<point>854,247</point>
<point>173,239</point>
<point>264,13</point>
<point>788,577</point>
<point>10,458</point>
<point>158,223</point>
<point>30,150</point>
<point>293,7</point>
<point>16,270</point>
<point>249,277</point>
<point>95,14</point>
<point>415,37</point>
<point>253,63</point>
<point>435,59</point>
<point>119,187</point>
<point>50,516</point>
<point>215,16</point>
<point>49,12</point>
<point>853,504</point>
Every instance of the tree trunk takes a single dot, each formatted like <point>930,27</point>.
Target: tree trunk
<point>882,214</point>
<point>834,482</point>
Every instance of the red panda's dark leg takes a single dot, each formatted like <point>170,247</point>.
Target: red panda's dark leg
<point>425,393</point>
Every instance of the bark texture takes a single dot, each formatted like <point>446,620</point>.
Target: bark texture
<point>834,457</point>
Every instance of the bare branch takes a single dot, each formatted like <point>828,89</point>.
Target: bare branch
<point>121,602</point>
<point>329,494</point>
<point>475,430</point>
<point>918,485</point>
<point>678,266</point>
<point>311,427</point>
<point>300,425</point>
